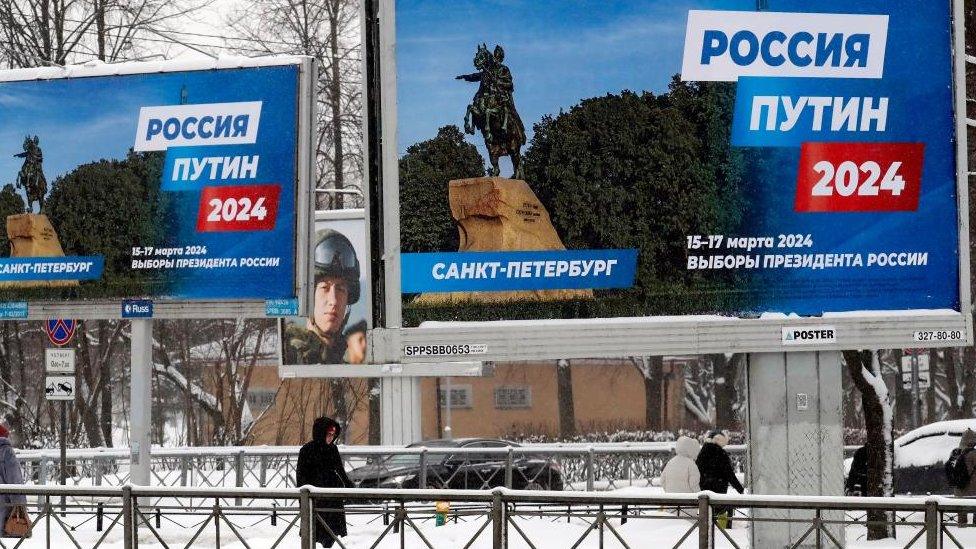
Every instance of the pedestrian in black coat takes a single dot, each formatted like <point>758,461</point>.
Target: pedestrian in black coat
<point>319,465</point>
<point>857,478</point>
<point>717,473</point>
<point>715,465</point>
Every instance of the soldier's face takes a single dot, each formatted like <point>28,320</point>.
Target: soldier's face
<point>356,347</point>
<point>331,299</point>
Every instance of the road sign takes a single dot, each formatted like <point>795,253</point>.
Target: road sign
<point>137,308</point>
<point>60,330</point>
<point>59,361</point>
<point>59,387</point>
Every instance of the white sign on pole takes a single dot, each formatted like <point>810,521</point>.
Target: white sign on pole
<point>59,361</point>
<point>59,387</point>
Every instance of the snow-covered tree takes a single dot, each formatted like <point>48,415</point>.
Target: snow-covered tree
<point>329,31</point>
<point>866,373</point>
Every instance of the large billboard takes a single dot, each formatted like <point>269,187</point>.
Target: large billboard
<point>644,176</point>
<point>183,185</point>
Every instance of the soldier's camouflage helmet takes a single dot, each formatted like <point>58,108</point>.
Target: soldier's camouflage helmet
<point>335,256</point>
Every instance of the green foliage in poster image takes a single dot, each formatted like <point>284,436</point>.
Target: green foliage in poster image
<point>627,170</point>
<point>105,208</point>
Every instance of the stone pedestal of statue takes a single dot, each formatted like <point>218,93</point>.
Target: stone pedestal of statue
<point>32,235</point>
<point>500,214</point>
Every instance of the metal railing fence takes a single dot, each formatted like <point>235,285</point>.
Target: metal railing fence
<point>572,467</point>
<point>131,516</point>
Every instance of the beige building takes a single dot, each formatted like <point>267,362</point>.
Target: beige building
<point>518,399</point>
<point>521,399</point>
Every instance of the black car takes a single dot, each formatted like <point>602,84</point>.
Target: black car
<point>460,470</point>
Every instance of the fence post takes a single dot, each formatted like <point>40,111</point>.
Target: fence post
<point>184,466</point>
<point>704,521</point>
<point>817,523</point>
<point>497,520</point>
<point>99,468</point>
<point>305,521</point>
<point>933,526</point>
<point>590,472</point>
<point>423,469</point>
<point>216,517</point>
<point>127,516</point>
<point>238,474</point>
<point>41,480</point>
<point>508,467</point>
<point>263,481</point>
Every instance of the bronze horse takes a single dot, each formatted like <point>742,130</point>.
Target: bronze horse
<point>492,110</point>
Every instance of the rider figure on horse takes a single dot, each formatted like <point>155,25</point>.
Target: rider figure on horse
<point>493,108</point>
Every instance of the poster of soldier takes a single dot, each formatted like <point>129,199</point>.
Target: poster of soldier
<point>176,184</point>
<point>640,158</point>
<point>335,332</point>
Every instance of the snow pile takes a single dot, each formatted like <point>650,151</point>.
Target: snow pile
<point>623,435</point>
<point>930,444</point>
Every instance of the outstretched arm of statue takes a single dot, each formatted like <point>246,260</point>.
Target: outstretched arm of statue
<point>473,77</point>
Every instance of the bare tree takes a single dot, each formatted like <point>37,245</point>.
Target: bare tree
<point>564,397</point>
<point>651,369</point>
<point>329,31</point>
<point>726,370</point>
<point>57,32</point>
<point>865,371</point>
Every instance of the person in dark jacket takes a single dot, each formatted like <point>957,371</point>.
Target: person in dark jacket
<point>857,478</point>
<point>967,443</point>
<point>716,470</point>
<point>319,465</point>
<point>10,473</point>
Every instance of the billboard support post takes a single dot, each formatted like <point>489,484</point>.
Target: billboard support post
<point>916,399</point>
<point>795,436</point>
<point>140,400</point>
<point>63,477</point>
<point>400,410</point>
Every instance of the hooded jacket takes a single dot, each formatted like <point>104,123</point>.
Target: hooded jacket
<point>319,465</point>
<point>716,469</point>
<point>968,440</point>
<point>680,475</point>
<point>10,473</point>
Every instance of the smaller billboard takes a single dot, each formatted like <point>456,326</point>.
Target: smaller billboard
<point>335,331</point>
<point>175,189</point>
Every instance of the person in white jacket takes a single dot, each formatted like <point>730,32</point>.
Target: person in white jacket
<point>680,475</point>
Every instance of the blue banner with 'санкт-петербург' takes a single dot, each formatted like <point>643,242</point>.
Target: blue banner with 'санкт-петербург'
<point>518,270</point>
<point>51,268</point>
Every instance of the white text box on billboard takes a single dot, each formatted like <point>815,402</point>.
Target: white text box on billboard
<point>724,45</point>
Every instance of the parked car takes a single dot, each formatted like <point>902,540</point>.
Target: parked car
<point>920,456</point>
<point>461,470</point>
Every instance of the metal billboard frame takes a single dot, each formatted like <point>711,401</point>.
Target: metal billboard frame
<point>305,169</point>
<point>614,337</point>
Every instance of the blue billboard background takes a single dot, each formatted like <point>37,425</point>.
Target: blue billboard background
<point>561,60</point>
<point>89,124</point>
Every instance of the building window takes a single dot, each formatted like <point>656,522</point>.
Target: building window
<point>460,396</point>
<point>260,399</point>
<point>513,396</point>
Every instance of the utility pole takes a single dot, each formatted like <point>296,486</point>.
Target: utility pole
<point>916,392</point>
